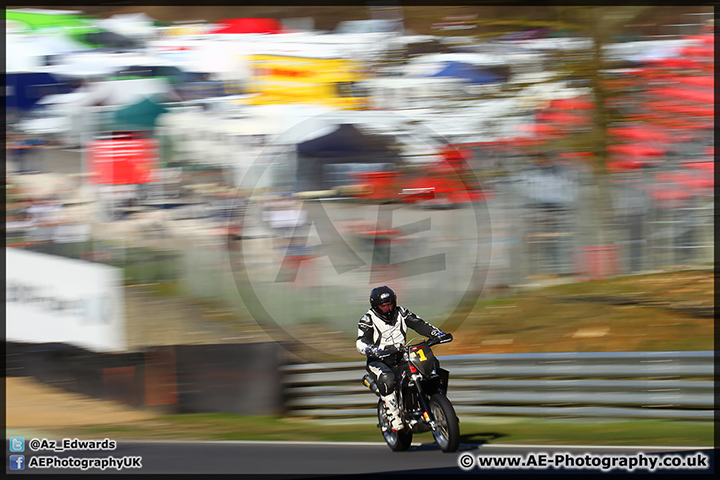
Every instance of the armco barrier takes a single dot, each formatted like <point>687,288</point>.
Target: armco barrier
<point>670,385</point>
<point>253,379</point>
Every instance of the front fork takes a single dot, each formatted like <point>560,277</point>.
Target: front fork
<point>425,410</point>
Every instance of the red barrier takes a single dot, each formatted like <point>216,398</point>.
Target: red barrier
<point>123,161</point>
<point>597,262</point>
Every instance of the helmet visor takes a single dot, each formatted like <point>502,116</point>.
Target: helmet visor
<point>385,307</point>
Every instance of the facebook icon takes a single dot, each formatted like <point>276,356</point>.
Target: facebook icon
<point>17,462</point>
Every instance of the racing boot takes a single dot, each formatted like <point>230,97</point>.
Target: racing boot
<point>393,411</point>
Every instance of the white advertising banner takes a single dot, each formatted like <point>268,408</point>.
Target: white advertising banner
<point>57,299</point>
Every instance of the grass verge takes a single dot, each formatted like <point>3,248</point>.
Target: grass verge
<point>654,312</point>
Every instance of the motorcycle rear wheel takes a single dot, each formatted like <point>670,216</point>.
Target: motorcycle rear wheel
<point>447,432</point>
<point>397,441</point>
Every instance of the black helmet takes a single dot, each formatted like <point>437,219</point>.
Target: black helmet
<point>380,295</point>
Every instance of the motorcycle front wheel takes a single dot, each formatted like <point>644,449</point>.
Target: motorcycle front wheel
<point>397,441</point>
<point>447,431</point>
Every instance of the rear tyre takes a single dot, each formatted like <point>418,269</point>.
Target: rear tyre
<point>447,432</point>
<point>397,441</point>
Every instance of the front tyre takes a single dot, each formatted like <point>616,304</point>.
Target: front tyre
<point>397,441</point>
<point>447,431</point>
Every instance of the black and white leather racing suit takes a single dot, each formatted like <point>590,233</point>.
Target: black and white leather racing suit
<point>374,331</point>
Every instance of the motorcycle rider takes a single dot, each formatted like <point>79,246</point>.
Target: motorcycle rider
<point>380,332</point>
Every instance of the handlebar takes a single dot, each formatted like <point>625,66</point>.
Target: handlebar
<point>390,351</point>
<point>446,338</point>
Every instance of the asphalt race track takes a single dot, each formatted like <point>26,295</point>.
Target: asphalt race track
<point>302,459</point>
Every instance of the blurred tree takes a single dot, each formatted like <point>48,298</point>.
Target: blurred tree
<point>587,65</point>
<point>600,24</point>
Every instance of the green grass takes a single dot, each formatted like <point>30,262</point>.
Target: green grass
<point>666,311</point>
<point>473,430</point>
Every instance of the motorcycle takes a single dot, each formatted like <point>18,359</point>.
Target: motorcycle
<point>421,391</point>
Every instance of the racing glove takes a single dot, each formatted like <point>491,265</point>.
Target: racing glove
<point>437,333</point>
<point>372,351</point>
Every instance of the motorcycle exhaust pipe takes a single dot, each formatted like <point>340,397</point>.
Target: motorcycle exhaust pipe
<point>369,383</point>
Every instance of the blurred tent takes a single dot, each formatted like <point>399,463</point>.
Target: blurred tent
<point>32,39</point>
<point>674,62</point>
<point>577,103</point>
<point>126,92</point>
<point>369,26</point>
<point>640,133</point>
<point>683,113</point>
<point>473,74</point>
<point>682,96</point>
<point>541,130</point>
<point>131,25</point>
<point>115,93</point>
<point>87,65</point>
<point>32,52</point>
<point>702,95</point>
<point>709,166</point>
<point>562,118</point>
<point>617,166</point>
<point>171,73</point>
<point>703,38</point>
<point>35,20</point>
<point>348,142</point>
<point>669,197</point>
<point>706,81</point>
<point>72,23</point>
<point>248,25</point>
<point>99,38</point>
<point>426,46</point>
<point>25,89</point>
<point>646,51</point>
<point>635,150</point>
<point>81,96</point>
<point>140,115</point>
<point>345,145</point>
<point>689,180</point>
<point>708,52</point>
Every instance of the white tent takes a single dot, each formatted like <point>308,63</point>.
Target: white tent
<point>112,93</point>
<point>128,92</point>
<point>81,96</point>
<point>131,25</point>
<point>643,51</point>
<point>22,56</point>
<point>222,57</point>
<point>84,65</point>
<point>28,52</point>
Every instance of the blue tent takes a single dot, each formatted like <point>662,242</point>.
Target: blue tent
<point>472,73</point>
<point>24,89</point>
<point>345,145</point>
